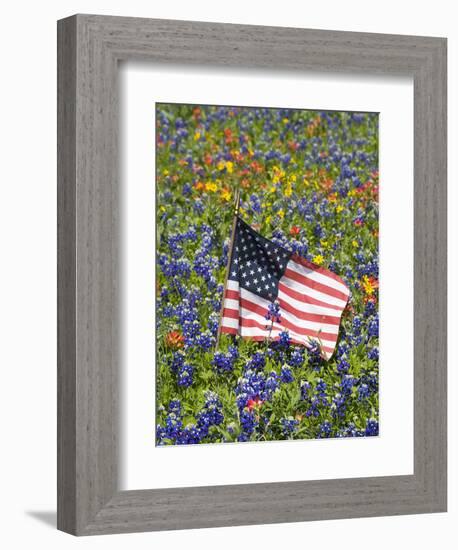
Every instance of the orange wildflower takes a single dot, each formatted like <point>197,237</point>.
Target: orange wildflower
<point>174,339</point>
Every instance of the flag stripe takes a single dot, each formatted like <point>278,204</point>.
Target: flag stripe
<point>290,306</point>
<point>254,307</point>
<point>322,270</point>
<point>292,273</point>
<point>251,303</point>
<point>319,298</point>
<point>327,279</point>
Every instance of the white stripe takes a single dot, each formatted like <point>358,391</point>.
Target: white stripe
<point>317,276</point>
<point>231,304</point>
<point>229,322</point>
<point>326,298</point>
<point>232,285</point>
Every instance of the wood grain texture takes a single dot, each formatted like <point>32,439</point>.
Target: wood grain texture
<point>90,48</point>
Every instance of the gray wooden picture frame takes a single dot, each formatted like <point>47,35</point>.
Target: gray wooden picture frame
<point>89,49</point>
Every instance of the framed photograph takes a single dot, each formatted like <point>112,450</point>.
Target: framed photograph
<point>251,275</point>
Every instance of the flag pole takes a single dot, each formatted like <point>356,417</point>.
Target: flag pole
<point>229,259</point>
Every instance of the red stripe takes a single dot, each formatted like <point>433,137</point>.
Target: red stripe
<point>285,323</point>
<point>306,299</point>
<point>232,294</point>
<point>310,283</point>
<point>231,313</point>
<point>228,330</point>
<point>317,268</point>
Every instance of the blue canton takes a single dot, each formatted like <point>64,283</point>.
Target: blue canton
<point>257,263</point>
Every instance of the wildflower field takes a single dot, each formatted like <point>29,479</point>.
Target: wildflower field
<point>308,182</point>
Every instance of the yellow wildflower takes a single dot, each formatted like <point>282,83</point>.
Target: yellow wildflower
<point>318,259</point>
<point>211,186</point>
<point>288,190</point>
<point>285,120</point>
<point>281,214</point>
<point>339,208</point>
<point>369,284</point>
<point>197,136</point>
<point>355,243</point>
<point>165,172</point>
<point>279,174</point>
<point>226,195</point>
<point>268,220</point>
<point>228,165</point>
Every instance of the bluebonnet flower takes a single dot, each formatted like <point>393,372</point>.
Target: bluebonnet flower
<point>306,388</point>
<point>205,340</point>
<point>371,427</point>
<point>177,361</point>
<point>185,375</point>
<point>372,329</point>
<point>289,426</point>
<point>363,392</point>
<point>343,366</point>
<point>248,423</point>
<point>190,435</point>
<point>285,340</point>
<point>297,358</point>
<point>211,414</point>
<point>315,360</point>
<point>325,429</point>
<point>286,375</point>
<point>223,362</point>
<point>273,313</point>
<point>373,354</point>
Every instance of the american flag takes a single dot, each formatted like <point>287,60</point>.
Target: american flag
<point>311,298</point>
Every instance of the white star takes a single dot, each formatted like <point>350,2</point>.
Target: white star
<point>263,278</point>
<point>248,264</point>
<point>255,281</point>
<point>258,289</point>
<point>234,273</point>
<point>251,272</point>
<point>244,275</point>
<point>267,287</point>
